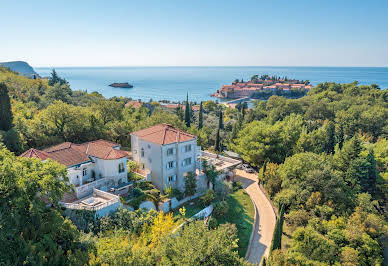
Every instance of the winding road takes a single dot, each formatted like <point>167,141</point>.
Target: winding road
<point>265,218</point>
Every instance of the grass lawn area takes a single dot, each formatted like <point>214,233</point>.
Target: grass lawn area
<point>241,213</point>
<point>191,209</point>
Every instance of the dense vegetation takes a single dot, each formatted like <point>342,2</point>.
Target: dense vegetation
<point>324,157</point>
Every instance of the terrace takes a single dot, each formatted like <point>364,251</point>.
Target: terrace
<point>221,163</point>
<point>99,201</point>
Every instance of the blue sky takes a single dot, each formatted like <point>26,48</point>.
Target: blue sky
<point>191,33</point>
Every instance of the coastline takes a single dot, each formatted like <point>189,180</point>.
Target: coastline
<point>173,83</point>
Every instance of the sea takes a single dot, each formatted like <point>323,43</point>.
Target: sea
<point>174,83</point>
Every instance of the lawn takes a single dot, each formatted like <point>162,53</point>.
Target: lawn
<point>241,213</point>
<point>192,208</point>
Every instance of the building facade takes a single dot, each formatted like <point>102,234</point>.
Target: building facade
<point>170,154</point>
<point>97,165</point>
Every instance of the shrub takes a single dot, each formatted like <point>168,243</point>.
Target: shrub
<point>220,209</point>
<point>146,185</point>
<point>177,194</point>
<point>208,197</point>
<point>213,223</point>
<point>237,185</point>
<point>297,218</point>
<point>154,192</point>
<point>222,189</point>
<point>136,202</point>
<point>136,192</point>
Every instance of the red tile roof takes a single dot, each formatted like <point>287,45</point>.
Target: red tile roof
<point>34,153</point>
<point>134,104</point>
<point>70,154</point>
<point>163,134</point>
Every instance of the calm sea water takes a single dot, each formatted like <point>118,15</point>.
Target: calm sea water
<point>172,83</point>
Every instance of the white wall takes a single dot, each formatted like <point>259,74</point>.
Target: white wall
<point>156,159</point>
<point>110,168</point>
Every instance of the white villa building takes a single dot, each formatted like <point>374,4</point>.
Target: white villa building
<point>94,168</point>
<point>168,153</point>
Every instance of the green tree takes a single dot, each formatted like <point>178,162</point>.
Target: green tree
<point>221,120</point>
<point>108,111</point>
<point>207,246</point>
<point>6,116</point>
<point>200,116</point>
<point>330,137</point>
<point>187,112</point>
<point>32,233</point>
<point>278,232</point>
<point>217,145</point>
<point>210,172</point>
<point>311,248</point>
<point>190,184</point>
<point>54,79</point>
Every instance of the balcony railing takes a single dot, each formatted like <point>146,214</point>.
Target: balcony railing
<point>113,199</point>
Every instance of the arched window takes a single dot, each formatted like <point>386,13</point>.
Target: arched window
<point>142,152</point>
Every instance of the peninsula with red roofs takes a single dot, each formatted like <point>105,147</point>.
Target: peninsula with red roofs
<point>264,87</point>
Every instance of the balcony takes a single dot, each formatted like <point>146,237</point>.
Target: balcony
<point>99,201</point>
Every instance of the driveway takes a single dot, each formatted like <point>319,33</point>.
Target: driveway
<point>265,218</point>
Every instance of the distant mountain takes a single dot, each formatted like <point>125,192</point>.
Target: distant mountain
<point>21,67</point>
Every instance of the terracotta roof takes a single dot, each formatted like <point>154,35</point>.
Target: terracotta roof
<point>34,153</point>
<point>163,134</point>
<point>134,104</point>
<point>70,154</point>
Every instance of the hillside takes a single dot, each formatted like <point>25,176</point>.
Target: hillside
<point>21,67</point>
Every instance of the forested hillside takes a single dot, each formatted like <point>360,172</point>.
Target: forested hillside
<point>323,157</point>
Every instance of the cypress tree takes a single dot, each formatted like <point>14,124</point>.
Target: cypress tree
<point>187,112</point>
<point>6,116</point>
<point>218,144</point>
<point>278,232</point>
<point>221,121</point>
<point>340,137</point>
<point>331,141</point>
<point>234,131</point>
<point>200,117</point>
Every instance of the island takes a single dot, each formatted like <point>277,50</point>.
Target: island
<point>121,85</point>
<point>263,87</point>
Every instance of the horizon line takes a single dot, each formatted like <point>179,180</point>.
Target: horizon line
<point>117,66</point>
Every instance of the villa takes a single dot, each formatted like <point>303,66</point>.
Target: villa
<point>96,169</point>
<point>170,154</point>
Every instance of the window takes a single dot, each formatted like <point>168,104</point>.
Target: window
<point>170,151</point>
<point>149,146</point>
<point>84,172</point>
<point>170,164</point>
<point>142,152</point>
<point>171,178</point>
<point>121,168</point>
<point>187,161</point>
<point>188,148</point>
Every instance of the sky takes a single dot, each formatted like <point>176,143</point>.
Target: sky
<point>195,33</point>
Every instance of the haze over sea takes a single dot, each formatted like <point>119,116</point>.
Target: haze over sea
<point>172,83</point>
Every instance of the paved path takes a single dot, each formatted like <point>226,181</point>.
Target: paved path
<point>265,218</point>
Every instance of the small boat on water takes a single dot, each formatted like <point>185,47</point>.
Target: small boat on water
<point>121,85</point>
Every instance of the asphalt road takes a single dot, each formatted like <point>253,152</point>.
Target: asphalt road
<point>265,218</point>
